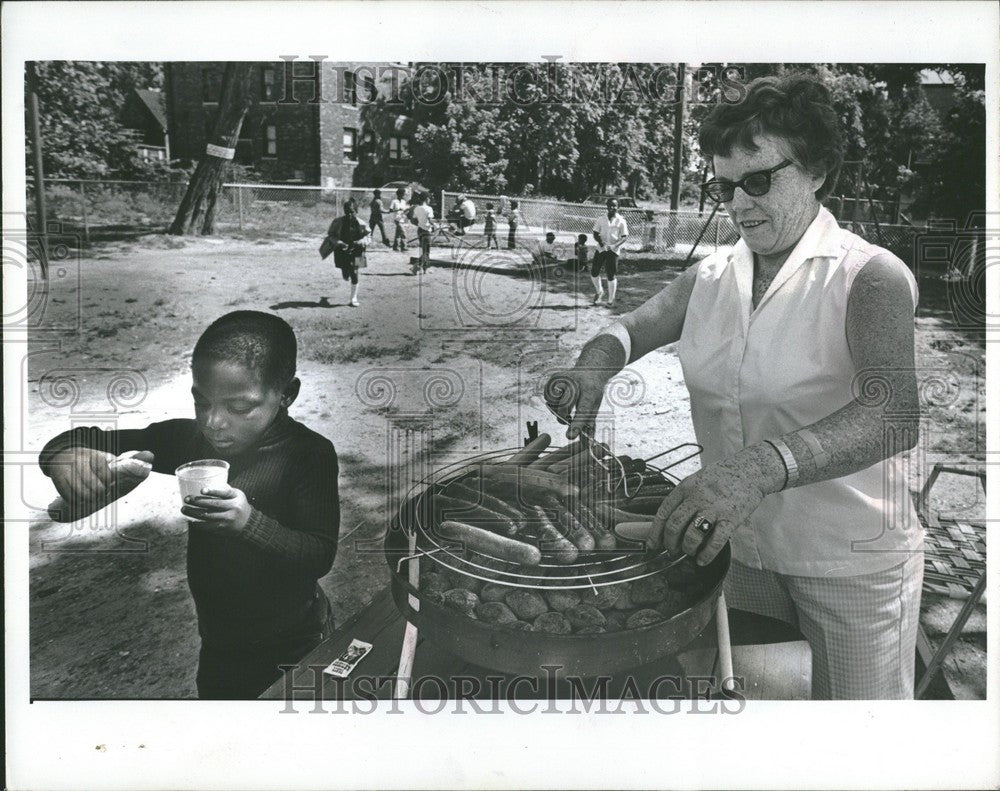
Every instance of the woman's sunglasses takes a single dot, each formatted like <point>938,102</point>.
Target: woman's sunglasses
<point>755,184</point>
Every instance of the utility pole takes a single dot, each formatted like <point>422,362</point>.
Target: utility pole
<point>680,100</point>
<point>41,220</point>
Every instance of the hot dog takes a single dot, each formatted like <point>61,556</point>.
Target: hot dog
<point>557,456</point>
<point>552,542</point>
<point>450,507</point>
<point>491,544</point>
<point>530,482</point>
<point>531,451</point>
<point>474,494</point>
<point>604,539</point>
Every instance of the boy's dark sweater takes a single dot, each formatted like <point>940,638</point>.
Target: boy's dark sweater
<point>260,585</point>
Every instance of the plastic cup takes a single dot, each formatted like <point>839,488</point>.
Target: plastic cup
<point>202,474</point>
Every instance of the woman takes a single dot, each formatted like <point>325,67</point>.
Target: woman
<point>797,350</point>
<point>350,238</point>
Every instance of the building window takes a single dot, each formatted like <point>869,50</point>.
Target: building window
<point>211,85</point>
<point>399,148</point>
<point>350,88</point>
<point>271,142</point>
<point>269,87</point>
<point>351,144</point>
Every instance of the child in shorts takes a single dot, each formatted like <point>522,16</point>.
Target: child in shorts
<point>490,227</point>
<point>257,546</point>
<point>399,207</point>
<point>514,219</point>
<point>423,216</point>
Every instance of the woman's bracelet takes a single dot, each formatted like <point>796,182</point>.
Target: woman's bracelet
<point>791,466</point>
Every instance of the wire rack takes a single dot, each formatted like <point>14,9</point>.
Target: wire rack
<point>627,563</point>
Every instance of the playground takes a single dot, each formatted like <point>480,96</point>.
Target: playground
<point>459,352</point>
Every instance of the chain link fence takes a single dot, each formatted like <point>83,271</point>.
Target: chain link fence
<point>105,209</point>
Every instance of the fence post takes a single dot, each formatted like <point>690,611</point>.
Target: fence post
<point>83,203</point>
<point>239,200</point>
<point>717,223</point>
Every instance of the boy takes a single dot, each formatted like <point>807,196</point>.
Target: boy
<point>375,216</point>
<point>547,250</point>
<point>610,233</point>
<point>399,208</point>
<point>580,250</point>
<point>490,227</point>
<point>256,547</point>
<point>350,239</point>
<point>513,220</point>
<point>422,216</point>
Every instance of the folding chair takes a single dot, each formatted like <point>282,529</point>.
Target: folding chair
<point>954,566</point>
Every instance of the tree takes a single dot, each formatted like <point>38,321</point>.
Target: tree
<point>198,205</point>
<point>79,103</point>
<point>955,185</point>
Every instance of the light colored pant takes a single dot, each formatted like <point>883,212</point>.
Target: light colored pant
<point>862,630</point>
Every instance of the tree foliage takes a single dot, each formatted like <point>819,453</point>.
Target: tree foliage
<point>79,107</point>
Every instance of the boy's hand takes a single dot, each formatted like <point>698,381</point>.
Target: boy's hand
<point>88,479</point>
<point>224,511</point>
<point>82,475</point>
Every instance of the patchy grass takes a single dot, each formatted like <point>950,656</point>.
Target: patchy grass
<point>332,350</point>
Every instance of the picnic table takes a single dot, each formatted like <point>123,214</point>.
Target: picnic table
<point>772,658</point>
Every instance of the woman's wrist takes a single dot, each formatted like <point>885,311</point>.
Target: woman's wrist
<point>603,353</point>
<point>769,467</point>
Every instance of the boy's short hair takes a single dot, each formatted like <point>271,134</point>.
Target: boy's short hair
<point>400,192</point>
<point>262,342</point>
<point>377,193</point>
<point>489,205</point>
<point>514,204</point>
<point>352,203</point>
<point>581,238</point>
<point>550,235</point>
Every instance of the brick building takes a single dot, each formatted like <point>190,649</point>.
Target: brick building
<point>309,123</point>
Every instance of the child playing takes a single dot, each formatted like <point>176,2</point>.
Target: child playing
<point>580,249</point>
<point>547,250</point>
<point>513,220</point>
<point>256,547</point>
<point>490,227</point>
<point>350,238</point>
<point>375,216</point>
<point>398,207</point>
<point>422,216</point>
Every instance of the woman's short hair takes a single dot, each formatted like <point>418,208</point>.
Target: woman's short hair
<point>794,107</point>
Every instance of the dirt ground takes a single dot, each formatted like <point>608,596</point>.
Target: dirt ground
<point>456,356</point>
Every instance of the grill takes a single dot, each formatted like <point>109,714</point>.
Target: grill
<point>413,548</point>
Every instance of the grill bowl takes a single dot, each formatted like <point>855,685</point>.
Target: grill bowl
<point>530,652</point>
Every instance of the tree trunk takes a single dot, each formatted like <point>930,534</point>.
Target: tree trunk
<point>198,206</point>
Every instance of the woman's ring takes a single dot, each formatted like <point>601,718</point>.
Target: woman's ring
<point>702,525</point>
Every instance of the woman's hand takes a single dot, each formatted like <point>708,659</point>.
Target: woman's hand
<point>224,511</point>
<point>723,495</point>
<point>575,397</point>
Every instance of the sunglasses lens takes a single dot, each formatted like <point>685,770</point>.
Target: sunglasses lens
<point>757,184</point>
<point>719,192</point>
